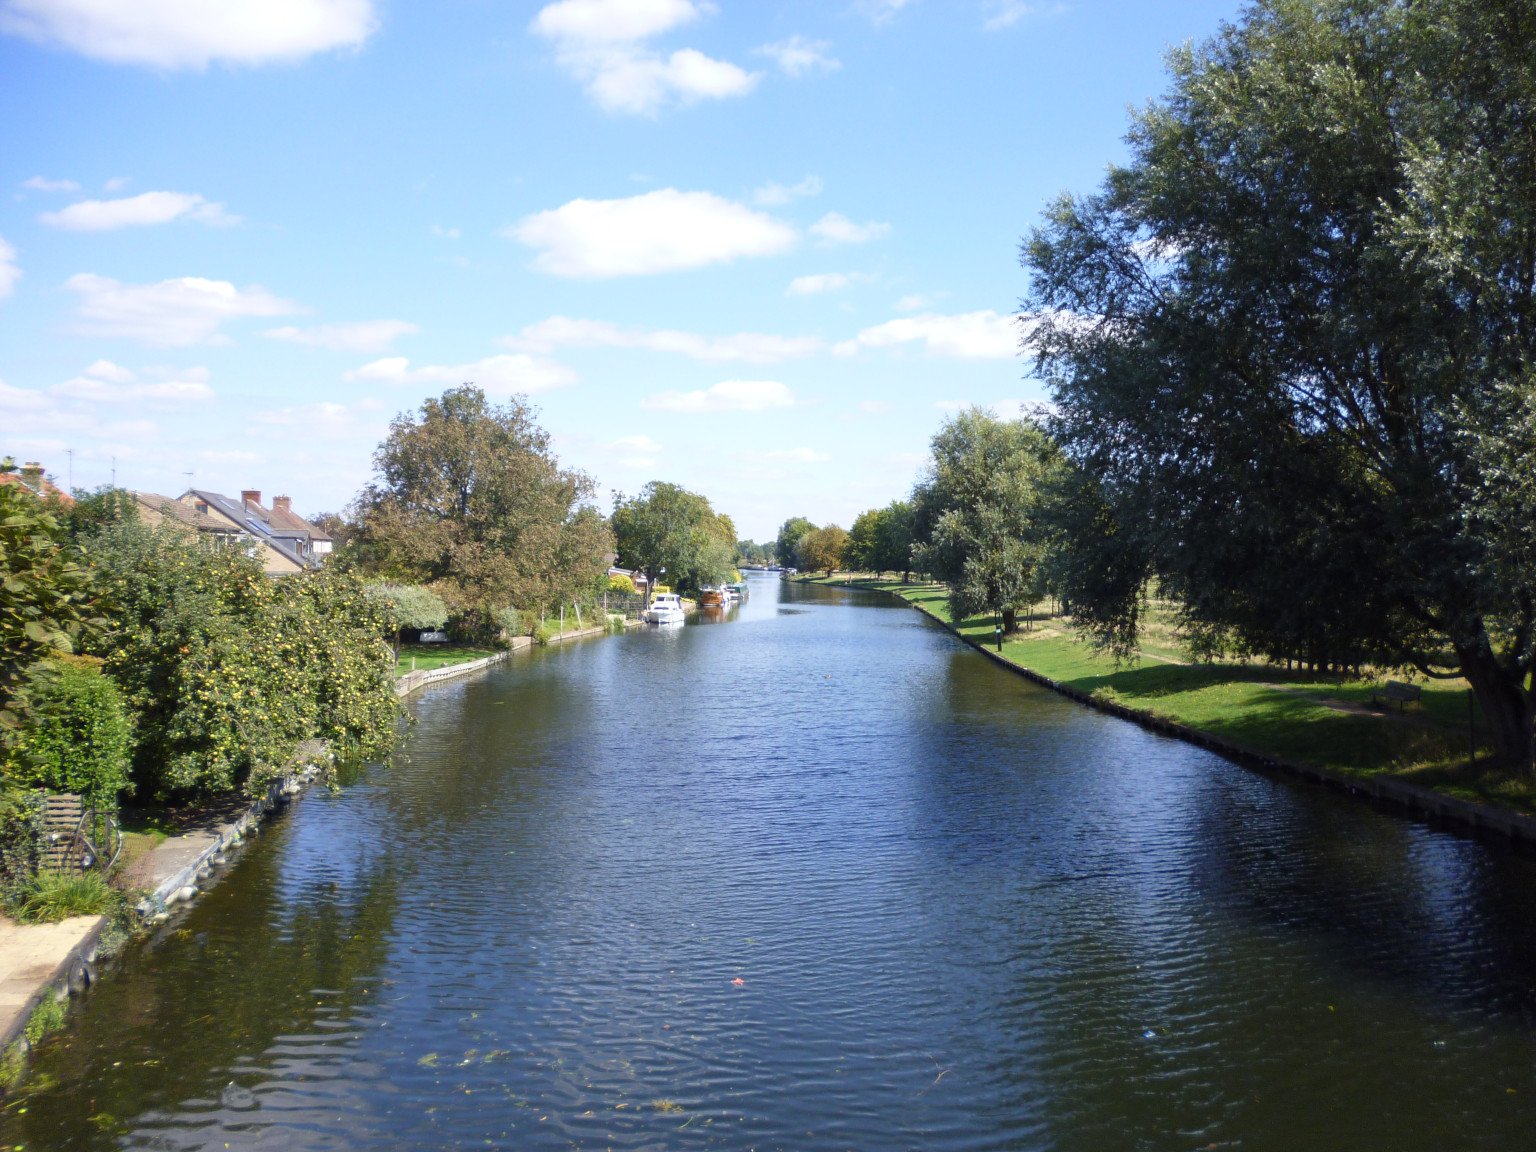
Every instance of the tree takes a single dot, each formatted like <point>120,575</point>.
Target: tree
<point>860,552</point>
<point>821,549</point>
<point>411,607</point>
<point>751,552</point>
<point>983,497</point>
<point>469,500</point>
<point>893,539</point>
<point>1292,342</point>
<point>46,601</point>
<point>787,546</point>
<point>668,529</point>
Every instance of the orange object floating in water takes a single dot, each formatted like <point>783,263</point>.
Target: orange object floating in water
<point>739,982</point>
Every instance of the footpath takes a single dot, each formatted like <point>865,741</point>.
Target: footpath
<point>43,961</point>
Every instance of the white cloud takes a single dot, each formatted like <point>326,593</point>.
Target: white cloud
<point>882,10</point>
<point>361,336</point>
<point>1005,13</point>
<point>9,272</point>
<point>913,302</point>
<point>613,21</point>
<point>727,396</point>
<point>661,231</point>
<point>191,33</point>
<point>325,414</point>
<point>635,451</point>
<point>798,56</point>
<point>494,373</point>
<point>43,184</point>
<point>602,44</point>
<point>107,383</point>
<point>969,336</point>
<point>748,347</point>
<point>636,444</point>
<point>835,228</point>
<point>137,211</point>
<point>17,400</point>
<point>773,195</point>
<point>817,284</point>
<point>798,455</point>
<point>172,313</point>
<point>117,183</point>
<point>873,407</point>
<point>445,233</point>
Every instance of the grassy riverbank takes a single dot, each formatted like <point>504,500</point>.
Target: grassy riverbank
<point>1263,708</point>
<point>430,657</point>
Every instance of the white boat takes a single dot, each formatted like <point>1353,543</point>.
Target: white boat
<point>666,608</point>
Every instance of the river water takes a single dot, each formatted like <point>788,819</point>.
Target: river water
<point>814,877</point>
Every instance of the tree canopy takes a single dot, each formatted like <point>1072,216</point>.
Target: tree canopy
<point>666,527</point>
<point>1291,342</point>
<point>822,549</point>
<point>787,546</point>
<point>979,509</point>
<point>469,500</point>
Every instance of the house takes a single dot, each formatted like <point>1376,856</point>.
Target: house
<point>156,510</point>
<point>30,476</point>
<point>287,542</point>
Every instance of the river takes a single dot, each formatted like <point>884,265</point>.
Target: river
<point>815,877</point>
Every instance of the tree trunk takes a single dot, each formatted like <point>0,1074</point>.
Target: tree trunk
<point>1010,620</point>
<point>1505,702</point>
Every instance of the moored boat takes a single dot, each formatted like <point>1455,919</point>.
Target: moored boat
<point>666,608</point>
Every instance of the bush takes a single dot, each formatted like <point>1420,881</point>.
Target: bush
<point>226,670</point>
<point>544,632</point>
<point>619,582</point>
<point>511,622</point>
<point>76,735</point>
<point>412,607</point>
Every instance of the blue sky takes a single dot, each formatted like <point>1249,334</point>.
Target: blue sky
<point>755,248</point>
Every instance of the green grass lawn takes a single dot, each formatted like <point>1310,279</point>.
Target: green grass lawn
<point>1261,707</point>
<point>427,657</point>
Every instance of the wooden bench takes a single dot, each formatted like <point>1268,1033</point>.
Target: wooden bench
<point>1396,692</point>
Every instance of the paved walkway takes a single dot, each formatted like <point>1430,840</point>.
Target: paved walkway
<point>35,958</point>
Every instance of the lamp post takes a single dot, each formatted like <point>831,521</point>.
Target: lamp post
<point>997,631</point>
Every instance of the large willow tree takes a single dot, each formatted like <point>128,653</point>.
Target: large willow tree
<point>1291,342</point>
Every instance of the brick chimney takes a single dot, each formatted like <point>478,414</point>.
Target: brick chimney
<point>282,504</point>
<point>250,496</point>
<point>32,475</point>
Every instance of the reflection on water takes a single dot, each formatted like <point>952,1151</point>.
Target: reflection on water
<point>818,877</point>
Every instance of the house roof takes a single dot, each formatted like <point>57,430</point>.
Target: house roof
<point>287,522</point>
<point>48,487</point>
<point>183,514</point>
<point>254,521</point>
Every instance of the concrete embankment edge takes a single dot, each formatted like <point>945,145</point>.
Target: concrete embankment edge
<point>40,961</point>
<point>414,681</point>
<point>1400,795</point>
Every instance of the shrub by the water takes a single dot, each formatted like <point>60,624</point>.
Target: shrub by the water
<point>76,735</point>
<point>226,670</point>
